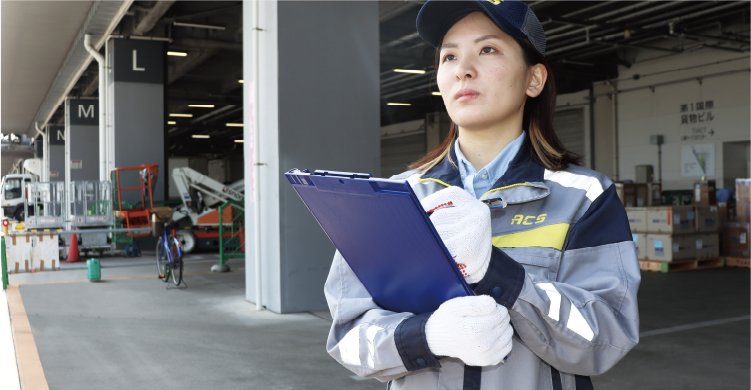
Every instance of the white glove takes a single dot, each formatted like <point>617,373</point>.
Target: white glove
<point>474,329</point>
<point>463,223</point>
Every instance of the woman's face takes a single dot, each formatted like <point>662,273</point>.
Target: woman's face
<point>482,75</point>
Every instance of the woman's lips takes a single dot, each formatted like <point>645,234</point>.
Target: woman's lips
<point>466,94</point>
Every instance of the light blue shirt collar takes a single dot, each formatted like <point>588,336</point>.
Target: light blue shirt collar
<point>477,183</point>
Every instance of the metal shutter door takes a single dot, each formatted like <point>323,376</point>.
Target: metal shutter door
<point>398,152</point>
<point>569,127</point>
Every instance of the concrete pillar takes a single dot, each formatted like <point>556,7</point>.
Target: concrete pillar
<point>82,139</point>
<point>136,106</point>
<point>319,109</point>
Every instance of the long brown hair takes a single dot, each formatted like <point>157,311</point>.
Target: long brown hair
<point>545,147</point>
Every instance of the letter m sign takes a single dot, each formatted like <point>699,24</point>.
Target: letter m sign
<point>86,111</point>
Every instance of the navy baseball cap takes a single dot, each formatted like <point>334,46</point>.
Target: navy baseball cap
<point>513,16</point>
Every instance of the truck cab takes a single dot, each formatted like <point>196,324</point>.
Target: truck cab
<point>12,193</point>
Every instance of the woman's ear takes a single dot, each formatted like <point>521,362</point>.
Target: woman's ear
<point>538,76</point>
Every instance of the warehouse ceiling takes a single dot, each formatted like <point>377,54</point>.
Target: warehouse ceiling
<point>587,41</point>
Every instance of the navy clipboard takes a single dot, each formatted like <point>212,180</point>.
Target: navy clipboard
<point>382,231</point>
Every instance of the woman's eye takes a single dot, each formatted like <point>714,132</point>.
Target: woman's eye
<point>486,50</point>
<point>448,57</point>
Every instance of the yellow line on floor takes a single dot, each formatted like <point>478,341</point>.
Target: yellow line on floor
<point>120,278</point>
<point>29,366</point>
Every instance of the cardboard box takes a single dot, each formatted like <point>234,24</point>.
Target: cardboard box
<point>742,211</point>
<point>640,241</point>
<point>671,219</point>
<point>743,190</point>
<point>707,219</point>
<point>637,219</point>
<point>707,245</point>
<point>704,193</point>
<point>735,239</point>
<point>635,194</point>
<point>666,247</point>
<point>726,212</point>
<point>654,198</point>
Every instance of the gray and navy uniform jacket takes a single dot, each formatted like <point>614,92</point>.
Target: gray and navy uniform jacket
<point>563,264</point>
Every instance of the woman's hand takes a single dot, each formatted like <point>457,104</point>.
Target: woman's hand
<point>474,329</point>
<point>463,223</point>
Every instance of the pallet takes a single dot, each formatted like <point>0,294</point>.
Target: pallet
<point>681,265</point>
<point>740,262</point>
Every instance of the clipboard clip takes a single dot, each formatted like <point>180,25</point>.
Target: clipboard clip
<point>348,175</point>
<point>495,203</point>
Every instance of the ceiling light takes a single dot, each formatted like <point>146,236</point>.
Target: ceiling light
<point>239,141</point>
<point>234,125</point>
<point>240,81</point>
<point>201,105</point>
<point>177,53</point>
<point>196,25</point>
<point>415,71</point>
<point>436,93</point>
<point>200,136</point>
<point>171,122</point>
<point>398,104</point>
<point>174,115</point>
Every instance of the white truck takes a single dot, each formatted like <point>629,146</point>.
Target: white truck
<point>12,195</point>
<point>201,196</point>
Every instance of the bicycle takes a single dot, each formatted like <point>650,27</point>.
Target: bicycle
<point>169,256</point>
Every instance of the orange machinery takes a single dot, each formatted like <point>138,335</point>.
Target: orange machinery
<point>138,216</point>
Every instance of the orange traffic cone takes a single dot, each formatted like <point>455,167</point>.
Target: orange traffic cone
<point>73,249</point>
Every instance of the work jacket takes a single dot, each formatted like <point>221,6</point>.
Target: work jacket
<point>563,264</point>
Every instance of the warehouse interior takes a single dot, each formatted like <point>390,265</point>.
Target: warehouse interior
<point>233,94</point>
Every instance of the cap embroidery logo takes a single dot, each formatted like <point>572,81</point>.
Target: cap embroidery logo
<point>495,2</point>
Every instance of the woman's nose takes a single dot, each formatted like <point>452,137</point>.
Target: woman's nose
<point>465,70</point>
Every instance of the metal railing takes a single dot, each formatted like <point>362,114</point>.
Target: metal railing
<point>231,235</point>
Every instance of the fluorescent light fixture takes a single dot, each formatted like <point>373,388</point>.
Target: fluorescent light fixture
<point>177,53</point>
<point>196,25</point>
<point>415,71</point>
<point>200,136</point>
<point>171,122</point>
<point>174,115</point>
<point>234,125</point>
<point>398,104</point>
<point>239,141</point>
<point>436,93</point>
<point>201,105</point>
<point>240,81</point>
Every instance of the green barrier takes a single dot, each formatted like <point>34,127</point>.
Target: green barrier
<point>4,262</point>
<point>231,247</point>
<point>93,270</point>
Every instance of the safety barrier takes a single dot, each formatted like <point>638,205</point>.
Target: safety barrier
<point>232,235</point>
<point>29,250</point>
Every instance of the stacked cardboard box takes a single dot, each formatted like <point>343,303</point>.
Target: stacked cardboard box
<point>735,226</point>
<point>735,240</point>
<point>742,197</point>
<point>669,233</point>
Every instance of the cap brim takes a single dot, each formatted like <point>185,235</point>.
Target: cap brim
<point>436,18</point>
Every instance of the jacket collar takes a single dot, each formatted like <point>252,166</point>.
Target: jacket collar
<point>522,182</point>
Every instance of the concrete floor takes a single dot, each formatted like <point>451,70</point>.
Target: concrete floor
<point>130,332</point>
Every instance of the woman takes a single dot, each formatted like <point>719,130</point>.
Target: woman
<point>555,273</point>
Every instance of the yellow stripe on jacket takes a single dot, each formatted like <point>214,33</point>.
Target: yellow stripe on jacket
<point>550,236</point>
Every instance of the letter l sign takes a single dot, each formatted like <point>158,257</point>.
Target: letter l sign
<point>135,62</point>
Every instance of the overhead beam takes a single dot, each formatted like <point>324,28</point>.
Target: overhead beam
<point>391,9</point>
<point>92,87</point>
<point>198,43</point>
<point>186,64</point>
<point>211,12</point>
<point>149,21</point>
